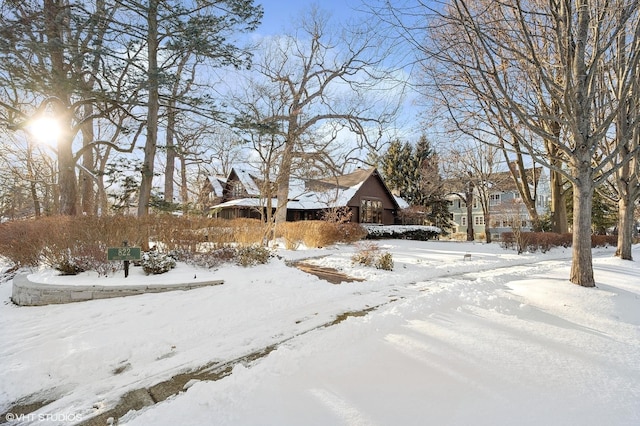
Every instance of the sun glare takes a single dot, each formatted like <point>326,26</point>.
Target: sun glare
<point>45,129</point>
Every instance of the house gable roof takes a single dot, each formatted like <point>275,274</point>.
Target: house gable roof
<point>247,180</point>
<point>313,194</point>
<point>373,173</point>
<point>216,184</point>
<point>499,181</point>
<point>346,187</point>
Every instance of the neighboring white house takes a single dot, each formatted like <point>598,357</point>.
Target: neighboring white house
<point>505,206</point>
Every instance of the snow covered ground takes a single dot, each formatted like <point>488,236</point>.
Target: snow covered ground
<point>494,339</point>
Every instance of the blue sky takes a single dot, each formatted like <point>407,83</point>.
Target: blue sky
<point>278,14</point>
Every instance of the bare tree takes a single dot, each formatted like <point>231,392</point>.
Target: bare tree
<point>459,182</point>
<point>627,138</point>
<point>54,56</point>
<point>222,149</point>
<point>321,77</point>
<point>27,179</point>
<point>479,161</point>
<point>562,47</point>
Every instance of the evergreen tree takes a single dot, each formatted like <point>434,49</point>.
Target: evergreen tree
<point>413,174</point>
<point>393,165</point>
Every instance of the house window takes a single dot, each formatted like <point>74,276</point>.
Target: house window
<point>494,199</point>
<point>478,220</point>
<point>463,221</point>
<point>237,190</point>
<point>370,211</point>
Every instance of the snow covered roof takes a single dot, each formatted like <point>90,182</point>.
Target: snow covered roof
<point>305,201</point>
<point>310,194</point>
<point>248,180</point>
<point>246,202</point>
<point>323,199</point>
<point>217,184</point>
<point>401,202</point>
<point>348,180</point>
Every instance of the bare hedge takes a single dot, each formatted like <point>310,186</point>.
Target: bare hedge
<point>545,241</point>
<point>77,244</point>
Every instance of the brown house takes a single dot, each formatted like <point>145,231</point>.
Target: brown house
<point>362,196</point>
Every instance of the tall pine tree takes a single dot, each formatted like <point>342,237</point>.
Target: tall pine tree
<point>413,174</point>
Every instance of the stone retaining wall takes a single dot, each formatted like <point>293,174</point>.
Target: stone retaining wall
<point>27,293</point>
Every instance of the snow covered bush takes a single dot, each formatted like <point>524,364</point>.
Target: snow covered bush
<point>385,261</point>
<point>403,232</point>
<point>64,261</point>
<point>154,262</point>
<point>252,255</point>
<point>209,258</point>
<point>72,259</point>
<point>369,254</point>
<point>366,254</point>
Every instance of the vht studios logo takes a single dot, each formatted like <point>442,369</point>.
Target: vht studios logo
<point>55,417</point>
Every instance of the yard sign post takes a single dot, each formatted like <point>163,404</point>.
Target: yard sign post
<point>124,253</point>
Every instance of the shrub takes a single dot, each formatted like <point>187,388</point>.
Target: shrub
<point>369,254</point>
<point>292,233</point>
<point>248,232</point>
<point>252,255</point>
<point>211,258</point>
<point>318,233</point>
<point>545,241</point>
<point>366,254</point>
<point>154,262</point>
<point>385,261</point>
<point>350,232</point>
<point>65,261</point>
<point>604,240</point>
<point>22,242</point>
<point>507,240</point>
<point>405,232</point>
<point>80,258</point>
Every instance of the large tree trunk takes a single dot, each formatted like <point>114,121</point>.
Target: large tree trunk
<point>625,228</point>
<point>102,203</point>
<point>523,182</point>
<point>54,22</point>
<point>152,114</point>
<point>582,261</point>
<point>487,229</point>
<point>86,179</point>
<point>32,182</point>
<point>559,222</point>
<point>67,176</point>
<point>170,167</point>
<point>284,175</point>
<point>584,142</point>
<point>469,201</point>
<point>184,184</point>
